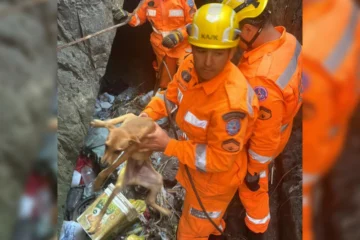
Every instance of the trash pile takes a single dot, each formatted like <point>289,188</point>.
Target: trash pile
<point>127,217</point>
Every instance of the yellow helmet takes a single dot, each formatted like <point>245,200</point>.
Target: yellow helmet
<point>246,8</point>
<point>214,26</point>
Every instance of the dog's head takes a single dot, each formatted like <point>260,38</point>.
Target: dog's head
<point>117,141</point>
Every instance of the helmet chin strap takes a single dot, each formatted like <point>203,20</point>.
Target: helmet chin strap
<point>250,43</point>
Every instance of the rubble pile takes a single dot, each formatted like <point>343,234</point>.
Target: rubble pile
<point>81,201</point>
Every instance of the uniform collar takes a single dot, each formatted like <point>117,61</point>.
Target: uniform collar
<point>213,84</point>
<point>265,48</point>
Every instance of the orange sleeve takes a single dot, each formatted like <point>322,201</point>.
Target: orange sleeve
<point>139,14</point>
<point>222,148</point>
<point>156,108</point>
<point>189,11</point>
<point>266,137</point>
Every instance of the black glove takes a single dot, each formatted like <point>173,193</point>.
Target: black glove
<point>172,39</point>
<point>252,182</point>
<point>120,15</point>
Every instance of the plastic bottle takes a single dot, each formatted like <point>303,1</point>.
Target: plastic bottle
<point>144,100</point>
<point>88,176</point>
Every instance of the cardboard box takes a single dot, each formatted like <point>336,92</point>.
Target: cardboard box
<point>119,215</point>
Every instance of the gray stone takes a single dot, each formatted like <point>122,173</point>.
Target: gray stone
<point>80,68</point>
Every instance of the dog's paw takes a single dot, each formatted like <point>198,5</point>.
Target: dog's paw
<point>165,211</point>
<point>96,123</point>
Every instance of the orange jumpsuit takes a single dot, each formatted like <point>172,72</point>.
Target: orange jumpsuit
<point>331,71</point>
<point>166,16</point>
<point>274,71</point>
<point>215,118</point>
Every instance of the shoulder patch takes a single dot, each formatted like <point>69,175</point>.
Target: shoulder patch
<point>264,113</point>
<point>233,126</point>
<point>186,76</point>
<point>261,93</point>
<point>233,115</point>
<point>231,145</point>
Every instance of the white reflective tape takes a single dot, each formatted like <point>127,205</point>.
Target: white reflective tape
<point>176,13</point>
<point>339,51</point>
<point>151,12</point>
<point>263,174</point>
<point>160,95</point>
<point>201,214</point>
<point>258,157</point>
<point>193,120</point>
<point>137,20</point>
<point>162,33</point>
<point>250,97</point>
<point>284,127</point>
<point>221,227</point>
<point>170,105</point>
<point>180,96</point>
<point>285,77</point>
<point>200,157</point>
<point>258,221</point>
<point>310,178</point>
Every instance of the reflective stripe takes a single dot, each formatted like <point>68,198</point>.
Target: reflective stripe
<point>137,20</point>
<point>285,77</point>
<point>151,12</point>
<point>160,95</point>
<point>305,200</point>
<point>250,97</point>
<point>201,214</point>
<point>200,157</point>
<point>260,220</point>
<point>310,178</point>
<point>180,96</point>
<point>193,120</point>
<point>171,106</point>
<point>259,158</point>
<point>284,127</point>
<point>176,13</point>
<point>162,33</point>
<point>263,174</point>
<point>338,54</point>
<point>221,227</point>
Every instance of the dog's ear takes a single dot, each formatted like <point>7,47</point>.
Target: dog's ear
<point>134,139</point>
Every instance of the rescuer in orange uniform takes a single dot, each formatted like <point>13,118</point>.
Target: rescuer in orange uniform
<point>272,65</point>
<point>216,109</point>
<point>331,82</point>
<point>168,19</point>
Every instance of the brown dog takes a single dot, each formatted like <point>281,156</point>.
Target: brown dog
<point>122,144</point>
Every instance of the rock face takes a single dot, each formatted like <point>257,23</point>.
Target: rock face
<point>80,68</point>
<point>27,77</point>
<point>288,14</point>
